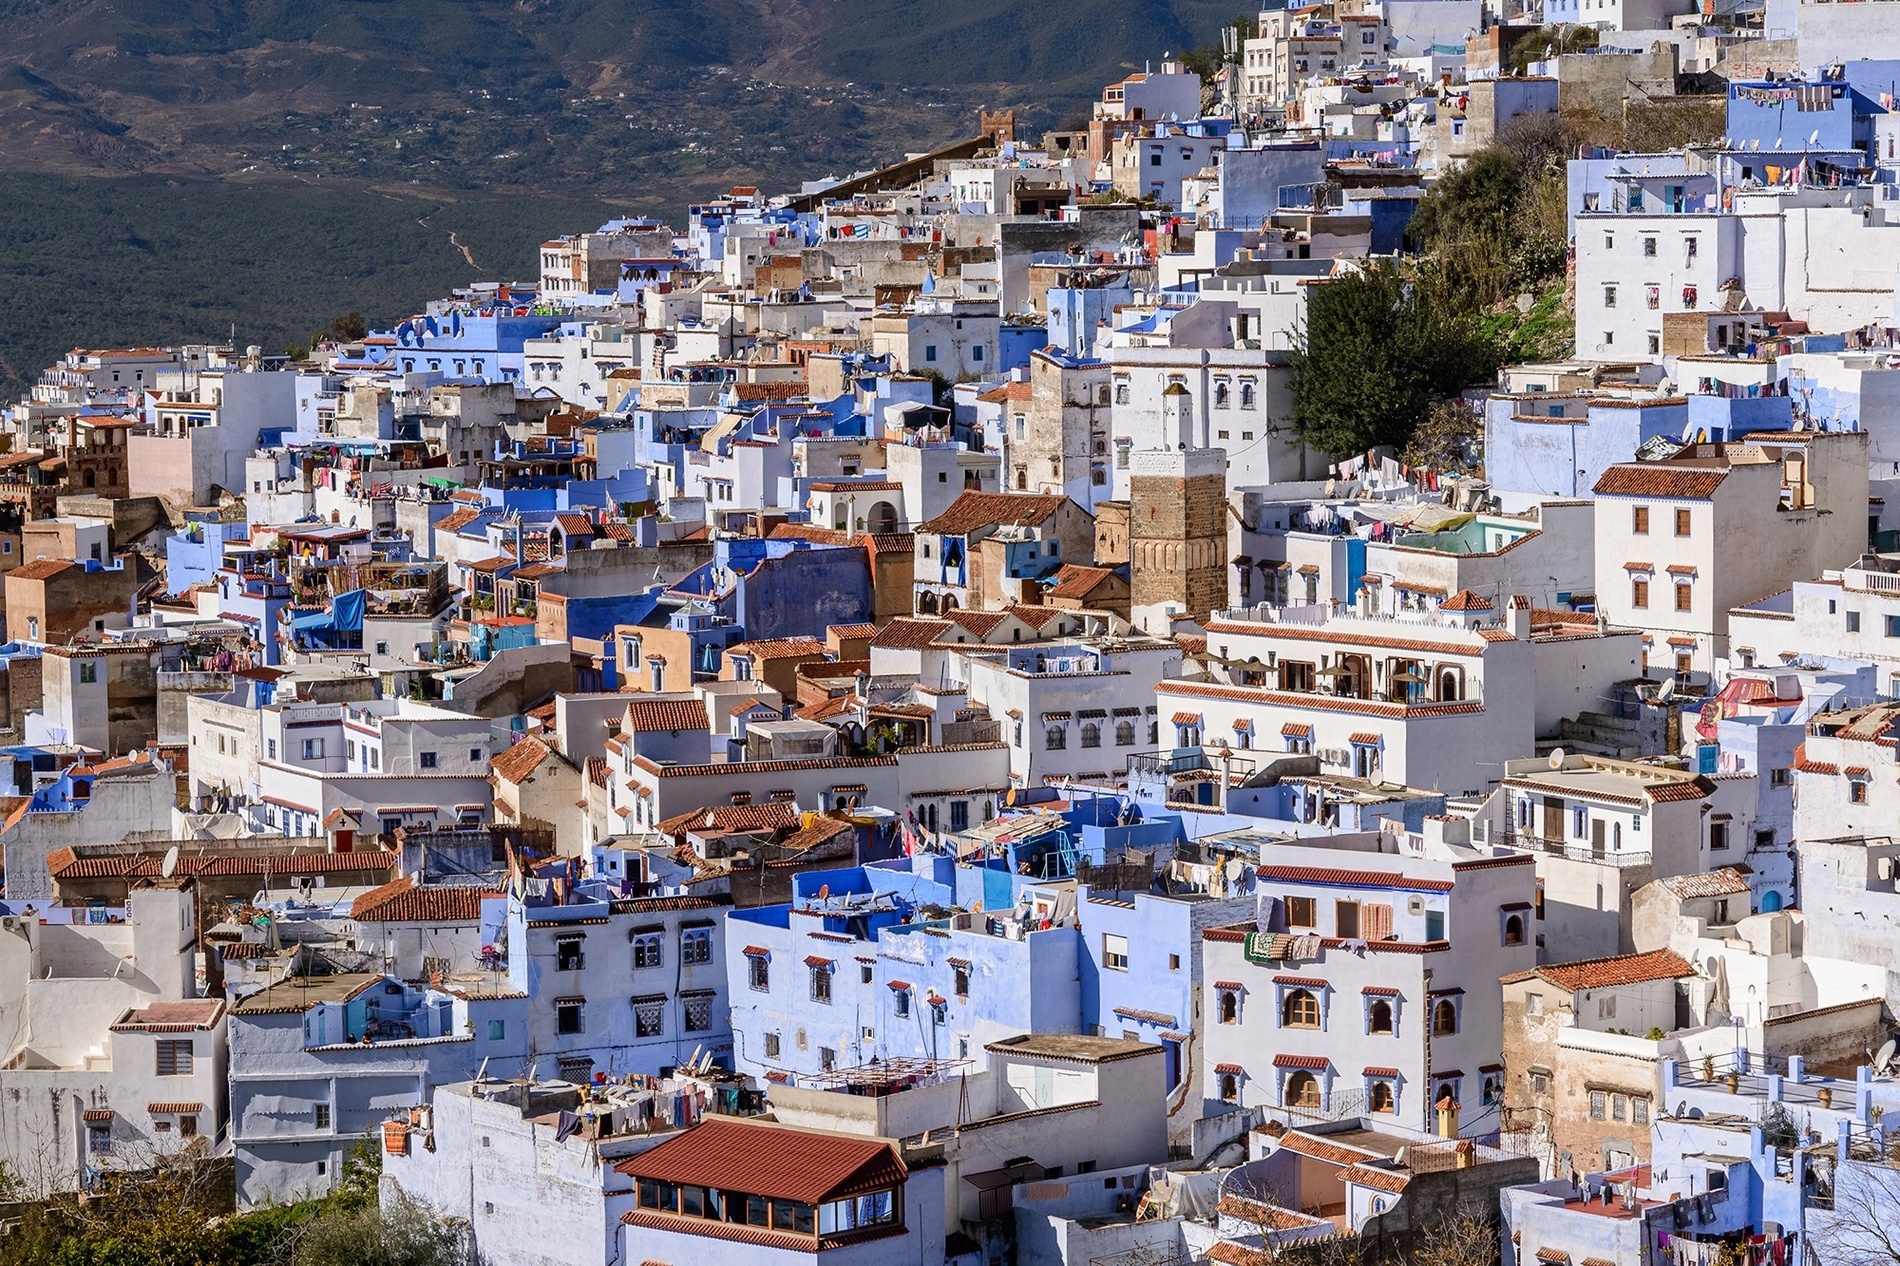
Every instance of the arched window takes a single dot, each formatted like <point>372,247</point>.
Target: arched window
<point>1246,395</point>
<point>1229,1007</point>
<point>1091,734</point>
<point>1055,738</point>
<point>1444,1018</point>
<point>1300,1011</point>
<point>1124,734</point>
<point>1380,1097</point>
<point>1448,686</point>
<point>1379,1017</point>
<point>1221,393</point>
<point>1229,1088</point>
<point>1302,1090</point>
<point>1514,929</point>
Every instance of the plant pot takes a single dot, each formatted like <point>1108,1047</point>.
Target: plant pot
<point>1734,1081</point>
<point>1826,1096</point>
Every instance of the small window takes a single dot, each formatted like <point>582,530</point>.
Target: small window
<point>497,1030</point>
<point>174,1058</point>
<point>758,972</point>
<point>1114,952</point>
<point>1685,596</point>
<point>1639,520</point>
<point>1853,621</point>
<point>1540,1082</point>
<point>696,945</point>
<point>88,672</point>
<point>321,1115</point>
<point>821,984</point>
<point>1444,1018</point>
<point>1300,1010</point>
<point>1682,522</point>
<point>649,1017</point>
<point>646,951</point>
<point>1514,929</point>
<point>426,760</point>
<point>568,954</point>
<point>1301,912</point>
<point>1379,1017</point>
<point>1639,594</point>
<point>567,1017</point>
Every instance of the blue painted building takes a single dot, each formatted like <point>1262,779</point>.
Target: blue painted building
<point>781,588</point>
<point>874,962</point>
<point>1548,445</point>
<point>195,553</point>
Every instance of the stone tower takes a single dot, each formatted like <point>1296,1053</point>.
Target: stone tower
<point>1177,535</point>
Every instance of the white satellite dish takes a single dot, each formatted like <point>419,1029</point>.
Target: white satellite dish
<point>1556,758</point>
<point>169,866</point>
<point>1814,137</point>
<point>1755,144</point>
<point>1667,690</point>
<point>1884,1060</point>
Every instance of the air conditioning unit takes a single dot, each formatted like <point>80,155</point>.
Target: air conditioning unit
<point>9,924</point>
<point>1415,905</point>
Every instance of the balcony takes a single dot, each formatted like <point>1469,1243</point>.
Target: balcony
<point>1530,842</point>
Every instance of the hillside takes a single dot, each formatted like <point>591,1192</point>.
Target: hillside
<point>172,167</point>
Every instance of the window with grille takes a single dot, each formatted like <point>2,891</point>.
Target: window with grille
<point>649,1017</point>
<point>696,945</point>
<point>698,1014</point>
<point>568,955</point>
<point>174,1059</point>
<point>646,951</point>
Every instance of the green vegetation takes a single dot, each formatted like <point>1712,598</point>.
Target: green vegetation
<point>1546,42</point>
<point>1381,348</point>
<point>138,260</point>
<point>177,1215</point>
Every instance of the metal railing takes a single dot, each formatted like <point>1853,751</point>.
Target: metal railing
<point>1533,843</point>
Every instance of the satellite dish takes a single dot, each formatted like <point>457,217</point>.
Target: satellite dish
<point>1755,144</point>
<point>1667,690</point>
<point>169,866</point>
<point>1556,758</point>
<point>1814,137</point>
<point>1885,1058</point>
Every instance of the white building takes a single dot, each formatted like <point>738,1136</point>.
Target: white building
<point>111,1061</point>
<point>1679,544</point>
<point>1370,985</point>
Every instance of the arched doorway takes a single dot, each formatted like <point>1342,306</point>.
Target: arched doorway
<point>1770,902</point>
<point>883,518</point>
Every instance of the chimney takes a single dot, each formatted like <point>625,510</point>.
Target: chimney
<point>1520,617</point>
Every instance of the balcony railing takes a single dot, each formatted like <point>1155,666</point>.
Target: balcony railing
<point>1576,852</point>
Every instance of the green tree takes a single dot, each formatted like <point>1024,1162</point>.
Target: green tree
<point>1380,349</point>
<point>400,1233</point>
<point>349,327</point>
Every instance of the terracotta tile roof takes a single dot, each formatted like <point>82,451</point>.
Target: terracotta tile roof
<point>42,569</point>
<point>1379,1179</point>
<point>1714,883</point>
<point>732,817</point>
<point>981,623</point>
<point>521,760</point>
<point>1806,766</point>
<point>67,864</point>
<point>1037,615</point>
<point>1608,973</point>
<point>1661,479</point>
<point>770,1160</point>
<point>1687,789</point>
<point>781,648</point>
<point>406,901</point>
<point>1465,600</point>
<point>173,1107</point>
<point>907,634</point>
<point>171,1017</point>
<point>456,520</point>
<point>852,632</point>
<point>1293,729</point>
<point>973,510</point>
<point>1076,581</point>
<point>575,524</point>
<point>1319,1149</point>
<point>1351,878</point>
<point>1365,738</point>
<point>653,716</point>
<point>1301,1061</point>
<point>1555,1256</point>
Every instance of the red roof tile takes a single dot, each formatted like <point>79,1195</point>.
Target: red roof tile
<point>1661,479</point>
<point>1301,1061</point>
<point>1606,973</point>
<point>521,760</point>
<point>405,901</point>
<point>1465,600</point>
<point>651,716</point>
<point>732,817</point>
<point>972,510</point>
<point>770,1160</point>
<point>1351,878</point>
